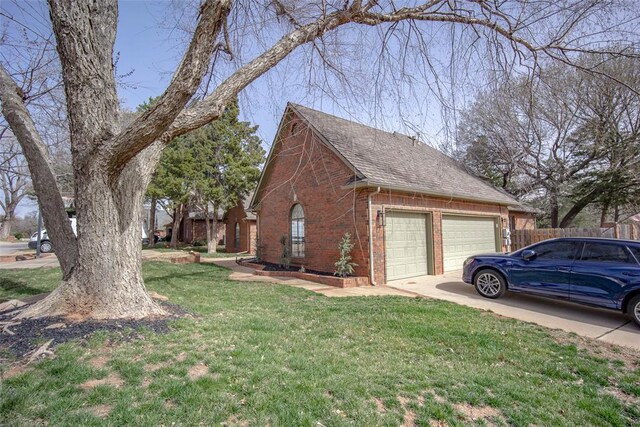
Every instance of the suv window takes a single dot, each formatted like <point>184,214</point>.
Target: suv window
<point>556,250</point>
<point>636,252</point>
<point>606,252</point>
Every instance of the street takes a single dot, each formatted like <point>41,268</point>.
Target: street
<point>7,248</point>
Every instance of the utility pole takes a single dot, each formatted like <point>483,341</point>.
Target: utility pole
<point>39,233</point>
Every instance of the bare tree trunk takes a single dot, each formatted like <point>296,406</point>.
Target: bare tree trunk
<point>554,210</point>
<point>212,231</point>
<point>151,233</point>
<point>5,229</point>
<point>107,280</point>
<point>577,207</point>
<point>7,222</point>
<point>177,218</point>
<point>603,215</point>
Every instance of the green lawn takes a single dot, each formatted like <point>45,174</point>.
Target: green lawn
<point>220,253</point>
<point>263,354</point>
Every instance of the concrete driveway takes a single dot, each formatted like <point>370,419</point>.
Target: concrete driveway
<point>600,324</point>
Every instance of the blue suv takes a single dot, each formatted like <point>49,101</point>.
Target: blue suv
<point>599,272</point>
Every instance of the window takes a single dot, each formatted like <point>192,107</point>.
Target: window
<point>606,252</point>
<point>512,222</point>
<point>556,250</point>
<point>297,231</point>
<point>636,252</point>
<point>237,239</point>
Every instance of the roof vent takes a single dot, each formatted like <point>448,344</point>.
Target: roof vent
<point>414,141</point>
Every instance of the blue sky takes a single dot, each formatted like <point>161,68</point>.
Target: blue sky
<point>149,47</point>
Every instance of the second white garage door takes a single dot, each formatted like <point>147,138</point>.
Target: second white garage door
<point>464,236</point>
<point>405,245</point>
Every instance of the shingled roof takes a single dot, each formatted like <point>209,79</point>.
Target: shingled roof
<point>398,162</point>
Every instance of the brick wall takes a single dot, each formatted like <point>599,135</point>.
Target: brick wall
<point>303,170</point>
<point>247,243</point>
<point>435,208</point>
<point>523,220</point>
<point>197,230</point>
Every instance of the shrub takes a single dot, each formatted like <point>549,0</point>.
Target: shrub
<point>197,243</point>
<point>344,266</point>
<point>18,235</point>
<point>285,253</point>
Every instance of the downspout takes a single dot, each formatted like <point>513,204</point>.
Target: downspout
<point>371,275</point>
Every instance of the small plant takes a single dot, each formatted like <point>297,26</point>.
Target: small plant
<point>344,266</point>
<point>302,269</point>
<point>259,250</point>
<point>285,253</point>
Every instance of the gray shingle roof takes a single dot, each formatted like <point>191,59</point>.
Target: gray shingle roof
<point>396,161</point>
<point>246,203</point>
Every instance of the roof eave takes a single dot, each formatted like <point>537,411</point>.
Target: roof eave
<point>370,184</point>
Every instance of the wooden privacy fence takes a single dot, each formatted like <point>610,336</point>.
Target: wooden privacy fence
<point>522,238</point>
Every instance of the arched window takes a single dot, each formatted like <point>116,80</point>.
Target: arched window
<point>297,231</point>
<point>237,239</point>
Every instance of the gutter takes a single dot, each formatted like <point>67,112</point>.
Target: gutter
<point>442,195</point>
<point>371,274</point>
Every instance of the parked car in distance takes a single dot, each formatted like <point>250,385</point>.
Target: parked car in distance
<point>588,270</point>
<point>46,246</point>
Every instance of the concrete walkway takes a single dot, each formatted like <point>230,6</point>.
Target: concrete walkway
<point>245,274</point>
<point>604,325</point>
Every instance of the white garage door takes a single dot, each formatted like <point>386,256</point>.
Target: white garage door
<point>405,245</point>
<point>464,236</point>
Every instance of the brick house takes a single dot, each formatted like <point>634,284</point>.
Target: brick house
<point>241,229</point>
<point>410,209</point>
<point>193,228</point>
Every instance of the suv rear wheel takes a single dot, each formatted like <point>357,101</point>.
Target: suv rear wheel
<point>633,309</point>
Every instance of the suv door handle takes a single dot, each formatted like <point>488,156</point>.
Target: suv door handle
<point>631,273</point>
<point>565,269</point>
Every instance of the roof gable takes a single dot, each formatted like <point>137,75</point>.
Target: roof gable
<point>396,161</point>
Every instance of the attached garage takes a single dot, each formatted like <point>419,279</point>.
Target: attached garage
<point>406,245</point>
<point>464,236</point>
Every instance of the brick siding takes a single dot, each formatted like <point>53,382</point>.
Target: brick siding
<point>247,243</point>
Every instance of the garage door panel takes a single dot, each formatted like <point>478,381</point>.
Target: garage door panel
<point>405,245</point>
<point>466,236</point>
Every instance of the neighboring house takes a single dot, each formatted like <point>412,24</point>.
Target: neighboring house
<point>522,217</point>
<point>241,228</point>
<point>410,209</point>
<point>193,227</point>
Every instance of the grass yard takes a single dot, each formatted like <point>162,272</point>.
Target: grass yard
<point>263,354</point>
<point>220,251</point>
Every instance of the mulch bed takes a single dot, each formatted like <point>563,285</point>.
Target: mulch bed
<point>269,266</point>
<point>26,337</point>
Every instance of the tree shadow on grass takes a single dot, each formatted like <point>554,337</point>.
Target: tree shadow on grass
<point>182,275</point>
<point>17,288</point>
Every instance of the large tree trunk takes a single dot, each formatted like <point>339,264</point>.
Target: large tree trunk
<point>107,280</point>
